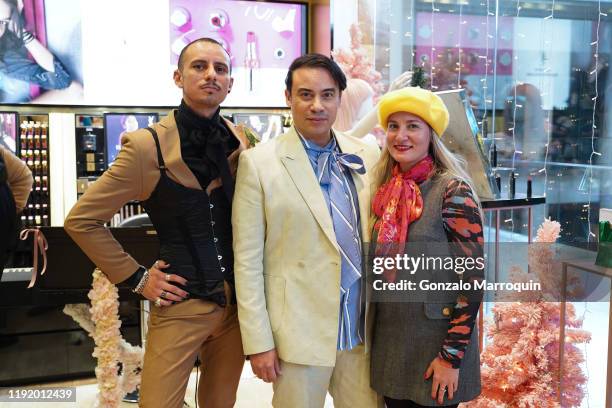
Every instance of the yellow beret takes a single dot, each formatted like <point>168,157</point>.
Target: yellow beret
<point>420,102</point>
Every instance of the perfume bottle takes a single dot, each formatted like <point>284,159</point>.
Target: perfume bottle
<point>529,187</point>
<point>494,156</point>
<point>89,141</point>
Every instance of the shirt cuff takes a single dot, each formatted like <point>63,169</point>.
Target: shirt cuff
<point>135,278</point>
<point>453,361</point>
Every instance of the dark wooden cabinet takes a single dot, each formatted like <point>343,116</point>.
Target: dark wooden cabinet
<point>38,342</point>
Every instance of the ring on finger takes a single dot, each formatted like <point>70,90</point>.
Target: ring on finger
<point>158,302</point>
<point>163,294</point>
<point>167,277</point>
<point>156,264</point>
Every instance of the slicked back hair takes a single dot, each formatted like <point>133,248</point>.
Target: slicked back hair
<point>315,60</point>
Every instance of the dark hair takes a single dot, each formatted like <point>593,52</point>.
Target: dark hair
<point>206,40</point>
<point>314,60</point>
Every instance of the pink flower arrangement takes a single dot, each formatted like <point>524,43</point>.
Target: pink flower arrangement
<point>102,323</point>
<point>104,313</point>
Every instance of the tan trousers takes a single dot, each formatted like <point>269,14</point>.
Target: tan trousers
<point>303,386</point>
<point>176,335</point>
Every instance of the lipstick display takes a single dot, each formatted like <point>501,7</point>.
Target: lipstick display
<point>34,151</point>
<point>251,60</point>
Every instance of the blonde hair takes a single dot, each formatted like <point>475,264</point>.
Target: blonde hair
<point>446,163</point>
<point>356,93</point>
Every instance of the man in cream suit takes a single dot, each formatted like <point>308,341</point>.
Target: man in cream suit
<point>300,214</point>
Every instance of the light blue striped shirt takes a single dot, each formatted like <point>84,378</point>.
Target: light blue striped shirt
<point>352,307</point>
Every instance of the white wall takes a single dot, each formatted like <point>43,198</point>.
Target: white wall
<point>343,14</point>
<point>62,159</point>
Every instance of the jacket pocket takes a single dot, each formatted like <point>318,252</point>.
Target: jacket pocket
<point>437,311</point>
<point>275,299</point>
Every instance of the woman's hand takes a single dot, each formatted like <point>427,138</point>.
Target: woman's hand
<point>159,289</point>
<point>445,379</point>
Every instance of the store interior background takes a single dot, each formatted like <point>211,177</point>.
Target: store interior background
<point>536,72</point>
<point>532,70</point>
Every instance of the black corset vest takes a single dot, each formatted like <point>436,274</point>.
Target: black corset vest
<point>195,234</point>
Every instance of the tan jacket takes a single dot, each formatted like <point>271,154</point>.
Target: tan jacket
<point>133,176</point>
<point>19,178</point>
<point>286,258</point>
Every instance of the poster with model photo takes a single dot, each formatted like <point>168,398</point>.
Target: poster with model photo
<point>8,130</point>
<point>40,52</point>
<point>124,53</point>
<point>118,124</point>
<point>263,38</point>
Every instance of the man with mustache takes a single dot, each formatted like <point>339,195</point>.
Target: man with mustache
<point>300,214</point>
<point>182,171</point>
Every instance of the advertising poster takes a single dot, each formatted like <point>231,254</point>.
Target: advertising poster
<point>124,53</point>
<point>117,124</point>
<point>261,38</point>
<point>8,130</point>
<point>40,52</point>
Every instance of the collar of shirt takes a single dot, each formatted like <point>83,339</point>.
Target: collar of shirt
<point>308,145</point>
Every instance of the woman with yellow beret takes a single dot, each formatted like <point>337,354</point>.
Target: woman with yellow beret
<point>424,353</point>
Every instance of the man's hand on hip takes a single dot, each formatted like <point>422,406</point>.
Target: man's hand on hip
<point>266,365</point>
<point>159,288</point>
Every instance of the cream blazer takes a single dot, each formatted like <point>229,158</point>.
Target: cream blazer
<point>286,258</point>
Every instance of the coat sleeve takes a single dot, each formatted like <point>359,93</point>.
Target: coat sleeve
<point>19,178</point>
<point>249,225</point>
<point>121,183</point>
<point>462,222</point>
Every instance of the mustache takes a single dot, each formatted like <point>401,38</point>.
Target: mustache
<point>211,84</point>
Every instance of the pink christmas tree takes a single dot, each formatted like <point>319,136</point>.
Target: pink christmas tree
<point>520,365</point>
<point>356,64</point>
